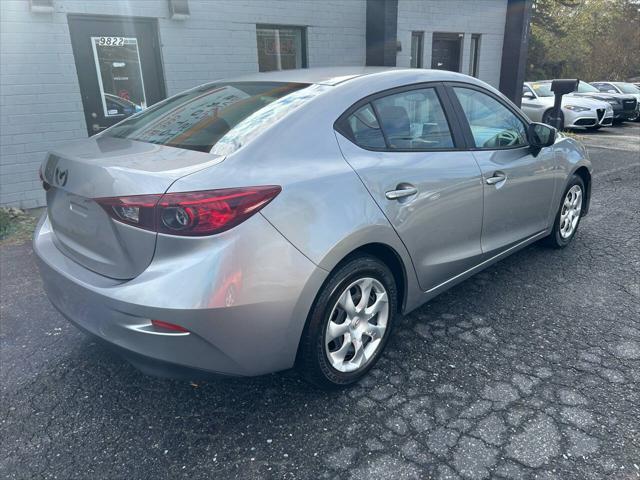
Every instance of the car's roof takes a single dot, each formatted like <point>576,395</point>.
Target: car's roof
<point>336,75</point>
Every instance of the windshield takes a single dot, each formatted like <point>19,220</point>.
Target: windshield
<point>542,89</point>
<point>197,119</point>
<point>584,87</point>
<point>628,88</point>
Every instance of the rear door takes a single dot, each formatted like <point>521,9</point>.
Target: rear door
<point>410,155</point>
<point>118,65</point>
<point>519,184</point>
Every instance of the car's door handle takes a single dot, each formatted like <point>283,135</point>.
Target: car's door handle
<point>402,192</point>
<point>497,178</point>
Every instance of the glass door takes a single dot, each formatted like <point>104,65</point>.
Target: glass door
<point>118,66</point>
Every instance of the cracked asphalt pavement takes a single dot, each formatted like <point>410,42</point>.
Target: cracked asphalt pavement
<point>530,369</point>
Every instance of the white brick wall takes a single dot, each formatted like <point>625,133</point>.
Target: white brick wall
<point>486,17</point>
<point>40,103</point>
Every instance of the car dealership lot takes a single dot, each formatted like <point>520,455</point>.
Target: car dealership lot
<point>531,368</point>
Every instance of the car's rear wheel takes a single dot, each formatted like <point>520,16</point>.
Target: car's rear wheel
<point>569,214</point>
<point>350,323</point>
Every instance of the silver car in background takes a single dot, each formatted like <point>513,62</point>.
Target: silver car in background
<point>285,219</point>
<point>623,88</point>
<point>538,100</point>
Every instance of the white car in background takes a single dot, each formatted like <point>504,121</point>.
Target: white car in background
<point>621,87</point>
<point>577,112</point>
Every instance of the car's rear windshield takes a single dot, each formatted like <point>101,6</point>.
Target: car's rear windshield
<point>199,118</point>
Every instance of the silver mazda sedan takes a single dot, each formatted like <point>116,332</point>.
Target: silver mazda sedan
<point>286,219</point>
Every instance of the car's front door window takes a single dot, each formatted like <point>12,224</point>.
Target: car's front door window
<point>492,124</point>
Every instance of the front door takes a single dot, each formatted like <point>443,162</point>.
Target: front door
<point>118,65</point>
<point>519,184</point>
<point>445,51</point>
<point>430,190</point>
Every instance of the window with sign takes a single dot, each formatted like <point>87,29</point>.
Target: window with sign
<point>117,61</point>
<point>281,47</point>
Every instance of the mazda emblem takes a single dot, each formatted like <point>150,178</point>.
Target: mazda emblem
<point>60,177</point>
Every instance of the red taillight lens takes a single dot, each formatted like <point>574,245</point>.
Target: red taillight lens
<point>209,212</point>
<point>190,213</point>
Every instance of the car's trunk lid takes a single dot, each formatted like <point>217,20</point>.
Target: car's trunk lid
<point>83,171</point>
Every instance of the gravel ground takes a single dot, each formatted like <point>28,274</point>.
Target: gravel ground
<point>530,369</point>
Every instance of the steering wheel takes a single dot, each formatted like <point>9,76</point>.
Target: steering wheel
<point>506,138</point>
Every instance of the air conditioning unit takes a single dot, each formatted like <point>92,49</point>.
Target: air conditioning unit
<point>41,6</point>
<point>179,9</point>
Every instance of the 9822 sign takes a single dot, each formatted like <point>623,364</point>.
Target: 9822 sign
<point>111,41</point>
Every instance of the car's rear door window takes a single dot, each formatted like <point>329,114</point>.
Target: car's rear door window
<point>414,120</point>
<point>199,118</point>
<point>364,128</point>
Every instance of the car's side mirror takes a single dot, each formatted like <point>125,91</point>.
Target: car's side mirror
<point>528,95</point>
<point>611,91</point>
<point>541,135</point>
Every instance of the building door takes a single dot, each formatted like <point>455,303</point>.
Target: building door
<point>446,50</point>
<point>118,65</point>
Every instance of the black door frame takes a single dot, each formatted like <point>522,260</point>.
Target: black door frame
<point>449,37</point>
<point>155,46</point>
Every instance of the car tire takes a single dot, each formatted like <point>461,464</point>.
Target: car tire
<point>547,118</point>
<point>323,345</point>
<point>567,219</point>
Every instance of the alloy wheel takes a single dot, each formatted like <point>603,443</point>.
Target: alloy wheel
<point>570,213</point>
<point>357,325</point>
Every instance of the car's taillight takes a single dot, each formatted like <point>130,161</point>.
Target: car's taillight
<point>190,213</point>
<point>45,184</point>
<point>138,210</point>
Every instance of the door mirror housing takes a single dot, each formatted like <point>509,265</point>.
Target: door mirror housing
<point>528,95</point>
<point>541,135</point>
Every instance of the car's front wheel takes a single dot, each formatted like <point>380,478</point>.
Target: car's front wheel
<point>550,119</point>
<point>350,323</point>
<point>569,214</point>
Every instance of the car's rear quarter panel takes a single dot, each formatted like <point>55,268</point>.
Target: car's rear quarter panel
<point>324,209</point>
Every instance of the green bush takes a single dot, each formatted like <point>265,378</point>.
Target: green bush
<point>16,225</point>
<point>5,223</point>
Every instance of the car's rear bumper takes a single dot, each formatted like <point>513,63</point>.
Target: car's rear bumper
<point>243,297</point>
